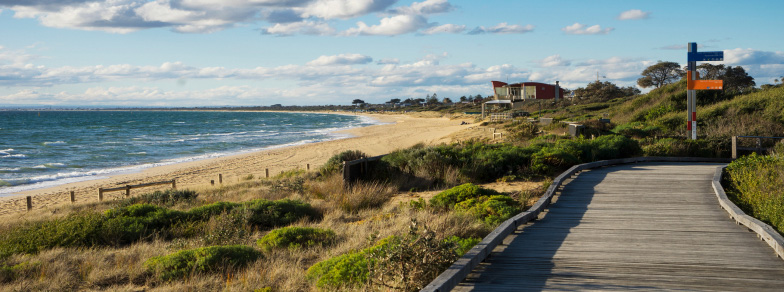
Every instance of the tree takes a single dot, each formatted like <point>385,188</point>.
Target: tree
<point>432,99</point>
<point>357,101</point>
<point>446,100</point>
<point>598,91</point>
<point>394,100</point>
<point>464,98</point>
<point>660,74</point>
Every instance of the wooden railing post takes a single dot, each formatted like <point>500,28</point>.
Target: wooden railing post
<point>73,196</point>
<point>174,184</point>
<point>220,178</point>
<point>734,147</point>
<point>29,203</point>
<point>100,194</point>
<point>266,171</point>
<point>127,191</point>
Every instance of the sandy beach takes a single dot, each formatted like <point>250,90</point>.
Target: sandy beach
<point>399,131</point>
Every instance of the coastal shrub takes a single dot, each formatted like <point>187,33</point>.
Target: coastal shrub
<point>162,198</point>
<point>492,210</point>
<point>450,197</point>
<point>410,262</point>
<point>335,163</point>
<point>209,210</point>
<point>347,270</point>
<point>266,214</point>
<point>463,245</point>
<point>520,131</point>
<point>78,229</point>
<point>613,146</point>
<point>679,148</point>
<point>296,237</point>
<point>229,227</point>
<point>9,273</point>
<point>201,260</point>
<point>755,184</point>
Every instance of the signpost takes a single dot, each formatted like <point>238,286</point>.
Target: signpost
<point>693,84</point>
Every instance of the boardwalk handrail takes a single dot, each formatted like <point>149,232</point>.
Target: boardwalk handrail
<point>759,147</point>
<point>764,231</point>
<point>453,275</point>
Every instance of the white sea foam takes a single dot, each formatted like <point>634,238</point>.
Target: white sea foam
<point>55,143</point>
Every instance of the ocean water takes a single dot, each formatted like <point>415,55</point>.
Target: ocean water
<point>49,148</point>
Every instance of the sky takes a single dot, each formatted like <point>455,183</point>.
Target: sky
<point>189,53</point>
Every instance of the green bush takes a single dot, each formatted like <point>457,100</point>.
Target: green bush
<point>165,198</point>
<point>492,210</point>
<point>463,245</point>
<point>755,184</point>
<point>335,163</point>
<point>269,214</point>
<point>296,237</point>
<point>201,260</point>
<point>207,211</point>
<point>347,270</point>
<point>450,197</point>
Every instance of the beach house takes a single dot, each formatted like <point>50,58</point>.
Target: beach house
<point>514,95</point>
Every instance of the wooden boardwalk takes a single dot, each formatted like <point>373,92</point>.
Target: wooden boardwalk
<point>646,226</point>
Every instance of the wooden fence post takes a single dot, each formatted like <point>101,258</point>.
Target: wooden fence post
<point>220,178</point>
<point>174,184</point>
<point>734,147</point>
<point>308,166</point>
<point>100,194</point>
<point>266,170</point>
<point>73,196</point>
<point>29,203</point>
<point>127,191</point>
<point>212,182</point>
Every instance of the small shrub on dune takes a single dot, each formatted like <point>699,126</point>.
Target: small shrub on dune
<point>492,210</point>
<point>335,163</point>
<point>450,197</point>
<point>296,238</point>
<point>207,211</point>
<point>201,260</point>
<point>756,182</point>
<point>269,214</point>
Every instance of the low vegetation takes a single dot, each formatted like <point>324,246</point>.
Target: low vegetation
<point>754,184</point>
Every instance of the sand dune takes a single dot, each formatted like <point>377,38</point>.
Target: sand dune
<point>401,131</point>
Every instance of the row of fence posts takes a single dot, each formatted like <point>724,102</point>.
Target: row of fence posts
<point>128,188</point>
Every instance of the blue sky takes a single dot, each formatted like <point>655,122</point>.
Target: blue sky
<point>308,52</point>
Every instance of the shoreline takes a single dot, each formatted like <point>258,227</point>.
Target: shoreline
<point>104,173</point>
<point>393,132</point>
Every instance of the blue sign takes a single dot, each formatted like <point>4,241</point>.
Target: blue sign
<point>706,56</point>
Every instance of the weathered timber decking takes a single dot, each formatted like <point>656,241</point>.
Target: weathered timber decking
<point>646,226</point>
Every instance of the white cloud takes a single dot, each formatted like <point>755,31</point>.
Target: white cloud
<point>390,26</point>
<point>553,61</point>
<point>752,57</point>
<point>578,28</point>
<point>344,9</point>
<point>503,28</point>
<point>425,7</point>
<point>633,14</point>
<point>446,28</point>
<point>342,59</point>
<point>304,27</point>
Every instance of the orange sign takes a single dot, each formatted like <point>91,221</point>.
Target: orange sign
<point>703,84</point>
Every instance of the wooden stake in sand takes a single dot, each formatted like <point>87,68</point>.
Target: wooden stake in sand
<point>29,203</point>
<point>73,196</point>
<point>267,171</point>
<point>220,178</point>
